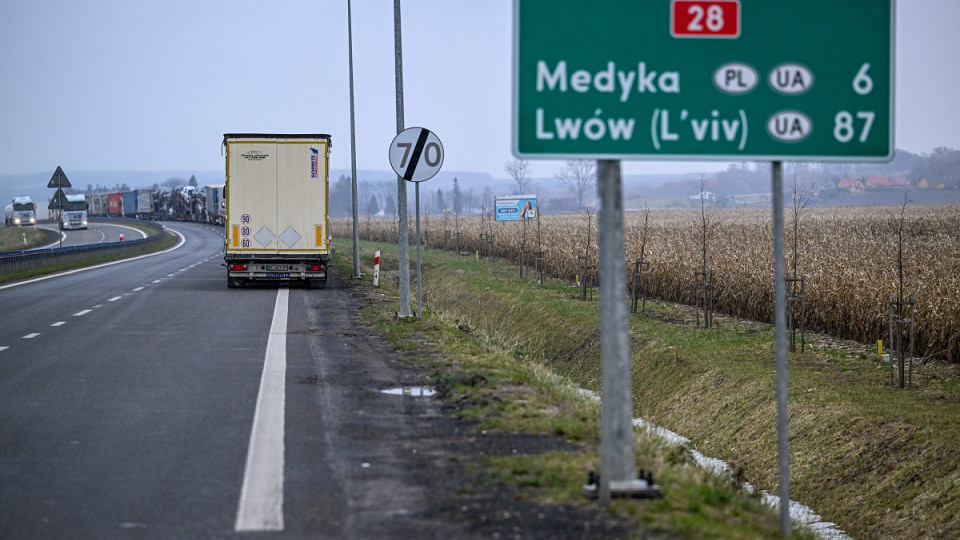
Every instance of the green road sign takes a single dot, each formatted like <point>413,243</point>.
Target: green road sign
<point>704,79</point>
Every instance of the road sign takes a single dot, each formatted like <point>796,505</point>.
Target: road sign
<point>59,179</point>
<point>416,154</point>
<point>704,79</point>
<point>59,200</point>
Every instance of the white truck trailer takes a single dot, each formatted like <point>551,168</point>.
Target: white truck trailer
<point>277,190</point>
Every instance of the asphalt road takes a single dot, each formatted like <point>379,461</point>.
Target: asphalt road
<point>128,394</point>
<point>97,232</point>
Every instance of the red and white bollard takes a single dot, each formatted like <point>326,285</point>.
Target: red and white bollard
<point>376,269</point>
<point>121,237</point>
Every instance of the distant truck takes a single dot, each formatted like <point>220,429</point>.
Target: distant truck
<point>21,211</point>
<point>115,204</point>
<point>74,213</point>
<point>138,204</point>
<point>277,210</point>
<point>215,204</point>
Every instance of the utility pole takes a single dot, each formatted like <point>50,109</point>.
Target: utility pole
<point>403,241</point>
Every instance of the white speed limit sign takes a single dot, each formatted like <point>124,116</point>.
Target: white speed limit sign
<point>416,154</point>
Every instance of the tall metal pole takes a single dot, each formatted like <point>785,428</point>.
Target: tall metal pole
<point>353,151</point>
<point>616,415</point>
<point>780,331</point>
<point>403,240</point>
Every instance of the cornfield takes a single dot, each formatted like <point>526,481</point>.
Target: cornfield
<point>848,257</point>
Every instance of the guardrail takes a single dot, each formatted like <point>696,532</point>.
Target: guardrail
<point>19,261</point>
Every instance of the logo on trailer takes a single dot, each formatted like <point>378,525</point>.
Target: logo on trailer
<point>314,163</point>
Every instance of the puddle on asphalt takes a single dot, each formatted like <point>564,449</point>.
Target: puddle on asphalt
<point>415,391</point>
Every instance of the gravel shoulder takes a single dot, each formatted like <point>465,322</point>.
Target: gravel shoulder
<point>406,464</point>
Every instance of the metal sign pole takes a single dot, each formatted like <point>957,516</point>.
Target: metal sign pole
<point>403,240</point>
<point>353,152</point>
<point>780,330</point>
<point>616,422</point>
<point>60,207</point>
<point>419,266</point>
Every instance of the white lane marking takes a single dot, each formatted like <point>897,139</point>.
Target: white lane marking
<point>31,336</point>
<point>156,281</point>
<point>3,348</point>
<point>98,306</point>
<point>171,275</point>
<point>261,498</point>
<point>138,289</point>
<point>114,299</point>
<point>82,313</point>
<point>179,244</point>
<point>60,323</point>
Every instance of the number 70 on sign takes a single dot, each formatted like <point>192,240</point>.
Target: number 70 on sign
<point>416,154</point>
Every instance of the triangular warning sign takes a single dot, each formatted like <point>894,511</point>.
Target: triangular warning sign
<point>59,200</point>
<point>59,179</point>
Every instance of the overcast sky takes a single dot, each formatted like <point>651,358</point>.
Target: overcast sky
<point>130,85</point>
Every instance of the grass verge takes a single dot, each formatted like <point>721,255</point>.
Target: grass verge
<point>510,355</point>
<point>21,238</point>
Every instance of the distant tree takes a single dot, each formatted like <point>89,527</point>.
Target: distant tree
<point>390,206</point>
<point>457,197</point>
<point>193,181</point>
<point>441,205</point>
<point>341,197</point>
<point>373,207</point>
<point>519,171</point>
<point>578,176</point>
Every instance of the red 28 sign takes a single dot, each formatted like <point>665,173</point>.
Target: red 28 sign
<point>705,18</point>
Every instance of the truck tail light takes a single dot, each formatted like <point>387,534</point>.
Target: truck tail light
<point>317,267</point>
<point>237,267</point>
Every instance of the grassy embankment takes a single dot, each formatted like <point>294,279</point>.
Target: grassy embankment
<point>11,239</point>
<point>881,462</point>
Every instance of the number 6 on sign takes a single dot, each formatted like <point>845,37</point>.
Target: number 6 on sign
<point>416,154</point>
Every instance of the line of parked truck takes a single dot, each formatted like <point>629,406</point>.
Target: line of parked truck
<point>205,204</point>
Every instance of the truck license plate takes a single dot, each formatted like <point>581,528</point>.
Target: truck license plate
<point>278,274</point>
<point>277,267</point>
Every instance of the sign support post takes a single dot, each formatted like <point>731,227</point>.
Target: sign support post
<point>780,332</point>
<point>616,426</point>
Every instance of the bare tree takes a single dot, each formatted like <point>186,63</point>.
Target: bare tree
<point>799,206</point>
<point>578,176</point>
<point>519,171</point>
<point>704,278</point>
<point>901,227</point>
<point>902,311</point>
<point>795,285</point>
